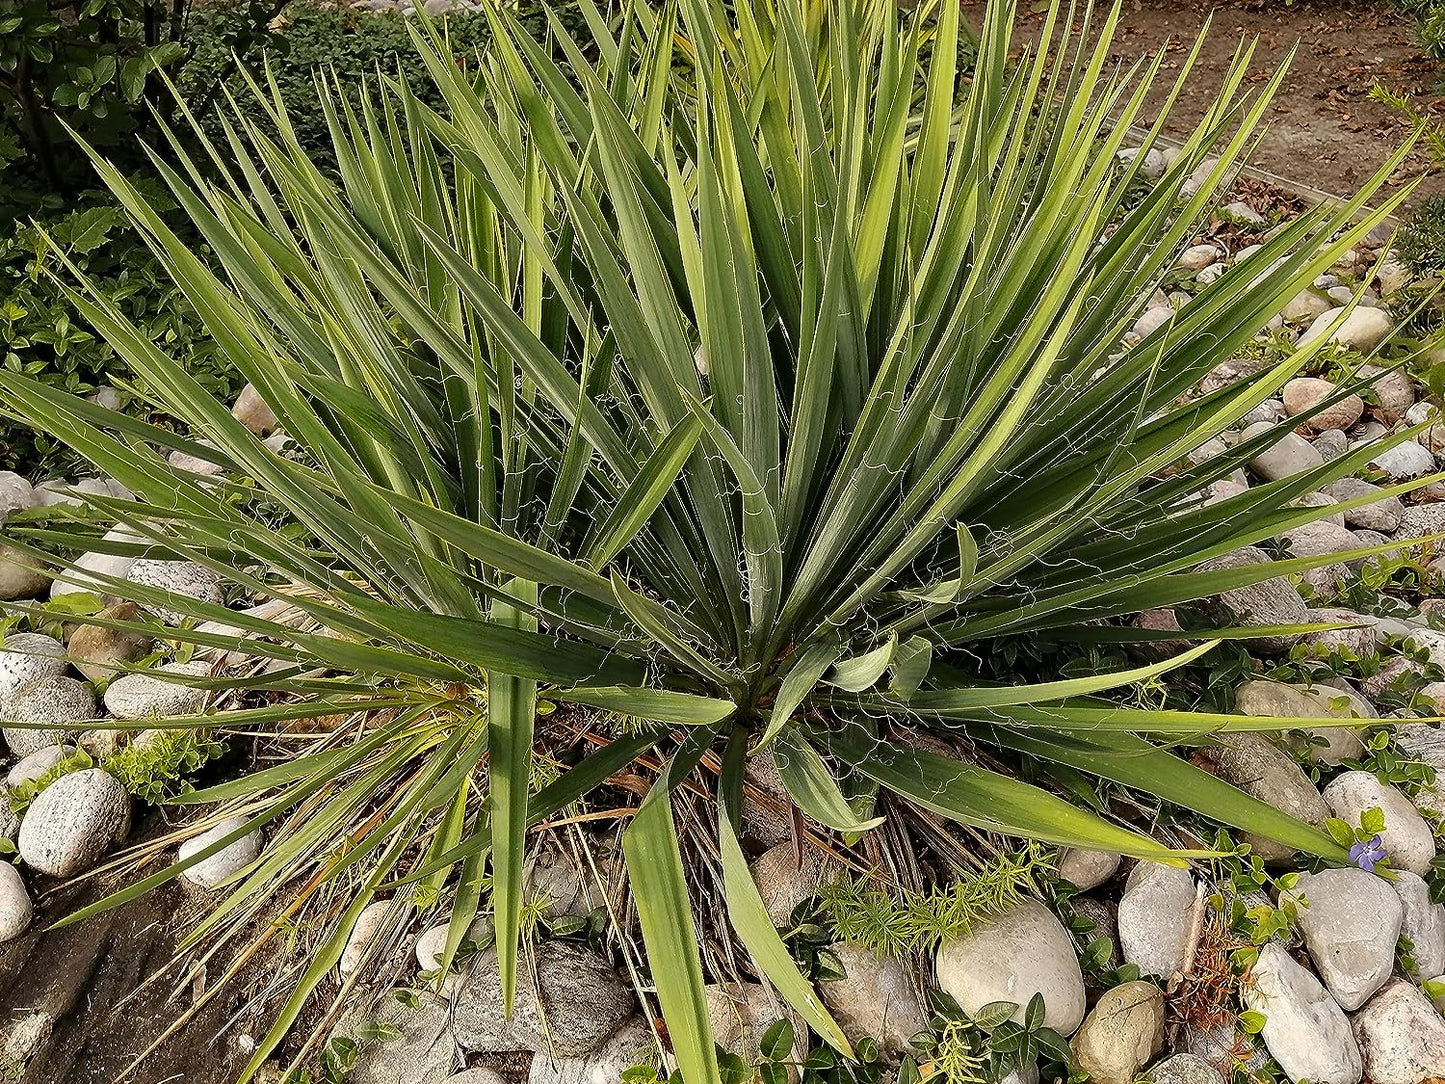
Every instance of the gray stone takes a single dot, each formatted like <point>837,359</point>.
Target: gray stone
<point>35,765</point>
<point>1394,391</point>
<point>1322,538</point>
<point>102,564</point>
<point>740,1013</point>
<point>1287,456</point>
<point>879,999</point>
<point>141,696</point>
<point>15,906</point>
<point>1362,639</point>
<point>20,575</point>
<point>784,884</point>
<point>1363,329</point>
<point>1155,917</point>
<point>1121,1034</point>
<point>1382,515</point>
<point>228,861</point>
<point>572,1004</point>
<point>1022,952</point>
<point>1401,1036</point>
<point>1404,461</point>
<point>1185,1069</point>
<point>1199,257</point>
<point>72,822</point>
<point>1270,602</point>
<point>766,804</point>
<point>99,653</point>
<point>431,944</point>
<point>1350,920</point>
<point>1152,320</point>
<point>1262,770</point>
<point>486,1076</point>
<point>1261,698</point>
<point>27,657</point>
<point>48,708</point>
<point>1331,444</point>
<point>1305,393</point>
<point>1103,919</point>
<point>1304,1029</point>
<point>558,883</point>
<point>1420,520</point>
<point>632,1044</point>
<point>1407,838</point>
<point>1304,306</point>
<point>423,1052</point>
<point>178,578</point>
<point>1424,923</point>
<point>196,464</point>
<point>16,494</point>
<point>1086,869</point>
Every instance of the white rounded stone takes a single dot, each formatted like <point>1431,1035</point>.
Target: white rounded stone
<point>228,861</point>
<point>15,907</point>
<point>72,822</point>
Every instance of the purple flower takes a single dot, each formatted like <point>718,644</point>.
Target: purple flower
<point>1366,854</point>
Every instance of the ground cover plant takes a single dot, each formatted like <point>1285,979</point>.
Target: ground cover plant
<point>730,384</point>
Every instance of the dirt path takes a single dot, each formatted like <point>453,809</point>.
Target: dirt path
<point>1323,131</point>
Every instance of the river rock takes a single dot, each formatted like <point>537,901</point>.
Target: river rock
<point>1199,257</point>
<point>631,1044</point>
<point>368,926</point>
<point>1262,770</point>
<point>1287,456</point>
<point>37,764</point>
<point>1350,920</point>
<point>1121,1034</point>
<point>784,884</point>
<point>99,653</point>
<point>741,1013</point>
<point>1304,393</point>
<point>1394,391</point>
<point>1262,698</point>
<point>1269,602</point>
<point>49,707</point>
<point>179,578</point>
<point>1404,461</point>
<point>570,1007</point>
<point>1401,1036</point>
<point>420,1051</point>
<point>765,803</point>
<point>27,657</point>
<point>1424,923</point>
<point>141,696</point>
<point>253,412</point>
<point>228,861</point>
<point>1085,869</point>
<point>1304,1029</point>
<point>1185,1069</point>
<point>1155,917</point>
<point>561,885</point>
<point>20,577</point>
<point>1407,837</point>
<point>1022,952</point>
<point>72,822</point>
<point>879,998</point>
<point>1363,330</point>
<point>1361,639</point>
<point>102,564</point>
<point>15,907</point>
<point>1381,515</point>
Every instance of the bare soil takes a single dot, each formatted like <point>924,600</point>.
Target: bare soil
<point>1322,129</point>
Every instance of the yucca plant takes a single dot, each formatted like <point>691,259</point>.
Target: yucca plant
<point>730,376</point>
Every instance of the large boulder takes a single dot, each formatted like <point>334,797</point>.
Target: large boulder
<point>1022,952</point>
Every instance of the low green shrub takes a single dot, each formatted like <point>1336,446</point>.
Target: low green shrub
<point>43,336</point>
